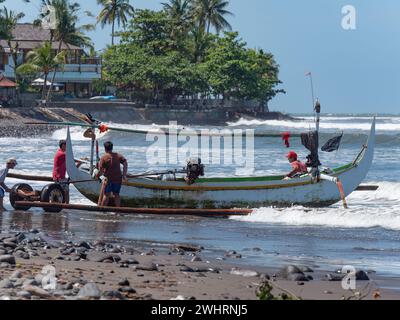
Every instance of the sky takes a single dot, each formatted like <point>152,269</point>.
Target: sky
<point>354,71</point>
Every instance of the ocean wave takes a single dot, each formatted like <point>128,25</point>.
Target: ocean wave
<point>366,210</point>
<point>309,124</point>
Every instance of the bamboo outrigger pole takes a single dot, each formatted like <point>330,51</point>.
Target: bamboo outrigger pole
<point>150,211</point>
<point>104,128</point>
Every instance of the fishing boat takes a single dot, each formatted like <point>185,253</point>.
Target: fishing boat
<point>232,192</point>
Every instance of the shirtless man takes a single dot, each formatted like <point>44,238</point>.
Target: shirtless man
<point>110,167</point>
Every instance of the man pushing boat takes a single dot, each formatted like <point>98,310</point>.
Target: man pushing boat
<point>110,167</point>
<point>60,169</point>
<point>11,163</point>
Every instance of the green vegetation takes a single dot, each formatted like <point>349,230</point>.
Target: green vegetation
<point>66,31</point>
<point>42,61</point>
<point>114,11</point>
<point>186,51</point>
<point>8,21</point>
<point>264,292</point>
<point>170,54</point>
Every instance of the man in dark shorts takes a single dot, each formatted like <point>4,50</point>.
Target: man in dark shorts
<point>60,168</point>
<point>110,167</point>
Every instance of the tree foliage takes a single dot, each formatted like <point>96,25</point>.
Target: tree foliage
<point>165,55</point>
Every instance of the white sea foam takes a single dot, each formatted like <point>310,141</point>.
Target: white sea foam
<point>367,209</point>
<point>310,124</point>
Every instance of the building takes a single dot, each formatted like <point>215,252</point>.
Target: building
<point>79,69</point>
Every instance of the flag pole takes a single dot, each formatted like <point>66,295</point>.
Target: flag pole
<point>309,74</point>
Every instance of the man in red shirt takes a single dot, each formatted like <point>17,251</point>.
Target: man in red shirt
<point>60,168</point>
<point>298,166</point>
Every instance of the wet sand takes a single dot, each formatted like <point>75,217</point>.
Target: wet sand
<point>99,270</point>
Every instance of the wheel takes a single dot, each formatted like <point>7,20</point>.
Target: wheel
<point>14,197</point>
<point>52,193</point>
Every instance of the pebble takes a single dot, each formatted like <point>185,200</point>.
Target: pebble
<point>6,284</point>
<point>24,294</point>
<point>124,282</point>
<point>89,290</point>
<point>146,267</point>
<point>113,294</point>
<point>16,275</point>
<point>8,258</point>
<point>196,259</point>
<point>244,273</point>
<point>127,290</point>
<point>36,291</point>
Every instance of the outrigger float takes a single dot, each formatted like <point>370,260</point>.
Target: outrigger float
<point>208,196</point>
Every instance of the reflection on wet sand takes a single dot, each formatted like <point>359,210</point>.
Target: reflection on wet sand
<point>55,223</point>
<point>21,220</point>
<point>108,226</point>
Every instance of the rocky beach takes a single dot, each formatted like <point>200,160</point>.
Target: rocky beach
<point>34,266</point>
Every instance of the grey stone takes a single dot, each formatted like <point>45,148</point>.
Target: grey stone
<point>306,269</point>
<point>196,258</point>
<point>130,261</point>
<point>244,273</point>
<point>296,277</point>
<point>147,267</point>
<point>286,271</point>
<point>24,294</point>
<point>334,277</point>
<point>30,282</point>
<point>186,269</point>
<point>113,294</point>
<point>89,290</point>
<point>16,275</point>
<point>36,291</point>
<point>6,284</point>
<point>127,290</point>
<point>84,244</point>
<point>361,276</point>
<point>124,282</point>
<point>109,257</point>
<point>8,258</point>
<point>39,278</point>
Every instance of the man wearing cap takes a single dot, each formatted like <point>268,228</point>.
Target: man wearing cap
<point>298,166</point>
<point>60,168</point>
<point>11,163</point>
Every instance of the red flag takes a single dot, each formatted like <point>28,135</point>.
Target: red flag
<point>285,138</point>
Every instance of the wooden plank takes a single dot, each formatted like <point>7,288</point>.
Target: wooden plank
<point>367,188</point>
<point>150,211</point>
<point>30,178</point>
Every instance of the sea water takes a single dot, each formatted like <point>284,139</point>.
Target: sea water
<point>367,235</point>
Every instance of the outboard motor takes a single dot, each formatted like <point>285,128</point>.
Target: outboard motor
<point>194,169</point>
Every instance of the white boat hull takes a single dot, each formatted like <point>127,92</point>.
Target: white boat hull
<point>250,192</point>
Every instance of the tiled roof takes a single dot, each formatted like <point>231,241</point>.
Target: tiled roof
<point>5,83</point>
<point>30,37</point>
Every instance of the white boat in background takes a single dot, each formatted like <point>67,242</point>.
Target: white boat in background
<point>235,192</point>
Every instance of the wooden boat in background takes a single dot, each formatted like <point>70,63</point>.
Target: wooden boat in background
<point>235,192</point>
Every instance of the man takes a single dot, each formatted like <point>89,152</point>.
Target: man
<point>60,168</point>
<point>110,167</point>
<point>11,163</point>
<point>298,166</point>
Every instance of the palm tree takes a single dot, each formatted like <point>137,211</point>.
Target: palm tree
<point>66,32</point>
<point>42,61</point>
<point>8,21</point>
<point>211,13</point>
<point>178,9</point>
<point>114,11</point>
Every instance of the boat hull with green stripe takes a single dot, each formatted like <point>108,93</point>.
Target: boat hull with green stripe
<point>235,192</point>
